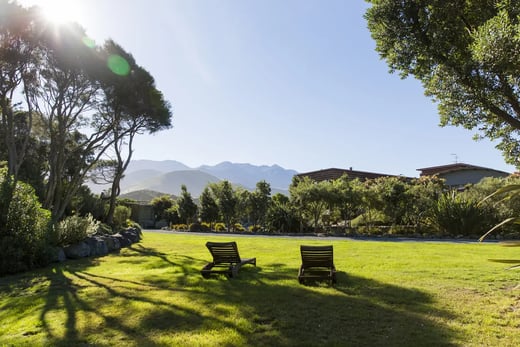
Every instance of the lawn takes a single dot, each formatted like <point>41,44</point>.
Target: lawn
<point>152,294</point>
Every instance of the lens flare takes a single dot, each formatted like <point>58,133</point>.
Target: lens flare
<point>118,65</point>
<point>90,43</point>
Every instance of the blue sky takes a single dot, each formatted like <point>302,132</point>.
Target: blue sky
<point>295,83</point>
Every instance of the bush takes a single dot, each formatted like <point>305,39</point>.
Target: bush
<point>254,228</point>
<point>456,216</point>
<point>74,229</point>
<point>182,227</point>
<point>121,215</point>
<point>24,227</point>
<point>220,227</point>
<point>239,227</point>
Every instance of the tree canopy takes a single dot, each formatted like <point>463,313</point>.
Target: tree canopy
<point>465,53</point>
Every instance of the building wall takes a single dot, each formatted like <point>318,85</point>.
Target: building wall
<point>463,177</point>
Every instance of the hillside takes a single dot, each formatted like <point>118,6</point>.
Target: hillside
<point>167,177</point>
<point>171,182</point>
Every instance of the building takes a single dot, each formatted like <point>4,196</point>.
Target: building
<point>458,175</point>
<point>334,173</point>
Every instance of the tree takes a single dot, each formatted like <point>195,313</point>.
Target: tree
<point>348,194</point>
<point>312,198</point>
<point>187,209</point>
<point>259,201</point>
<point>467,56</point>
<point>18,61</point>
<point>208,207</point>
<point>226,201</point>
<point>161,205</point>
<point>133,105</point>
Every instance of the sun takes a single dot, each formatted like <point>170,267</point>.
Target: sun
<point>58,11</point>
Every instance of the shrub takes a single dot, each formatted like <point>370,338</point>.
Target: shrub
<point>238,227</point>
<point>456,216</point>
<point>254,228</point>
<point>179,227</point>
<point>121,215</point>
<point>220,227</point>
<point>74,229</point>
<point>24,227</point>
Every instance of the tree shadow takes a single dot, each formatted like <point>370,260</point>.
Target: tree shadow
<point>279,311</point>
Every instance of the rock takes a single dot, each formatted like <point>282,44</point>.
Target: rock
<point>97,245</point>
<point>112,243</point>
<point>123,240</point>
<point>78,250</point>
<point>57,255</point>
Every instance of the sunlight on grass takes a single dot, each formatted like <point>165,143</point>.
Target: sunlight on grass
<point>388,294</point>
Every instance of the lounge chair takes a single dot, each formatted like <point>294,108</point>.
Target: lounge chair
<point>317,263</point>
<point>226,259</point>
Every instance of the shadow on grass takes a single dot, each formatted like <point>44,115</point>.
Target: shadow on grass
<point>273,309</point>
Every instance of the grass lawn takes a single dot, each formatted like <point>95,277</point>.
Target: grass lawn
<point>152,294</point>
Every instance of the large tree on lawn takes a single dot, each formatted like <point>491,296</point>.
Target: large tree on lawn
<point>466,53</point>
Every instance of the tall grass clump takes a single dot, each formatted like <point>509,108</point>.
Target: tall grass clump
<point>455,215</point>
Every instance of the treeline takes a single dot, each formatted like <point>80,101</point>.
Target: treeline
<point>70,110</point>
<point>390,205</point>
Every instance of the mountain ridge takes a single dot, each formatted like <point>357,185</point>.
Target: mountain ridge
<point>167,176</point>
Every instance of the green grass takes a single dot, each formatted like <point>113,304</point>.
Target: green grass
<point>152,294</point>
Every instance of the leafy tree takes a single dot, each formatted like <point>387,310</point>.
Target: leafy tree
<point>259,201</point>
<point>209,210</point>
<point>226,201</point>
<point>348,195</point>
<point>312,198</point>
<point>18,62</point>
<point>243,205</point>
<point>467,56</point>
<point>133,105</point>
<point>161,205</point>
<point>187,209</point>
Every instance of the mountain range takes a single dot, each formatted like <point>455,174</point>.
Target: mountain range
<point>154,177</point>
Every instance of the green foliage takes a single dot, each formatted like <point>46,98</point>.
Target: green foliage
<point>182,227</point>
<point>238,227</point>
<point>208,206</point>
<point>465,53</point>
<point>186,208</point>
<point>220,227</point>
<point>456,216</point>
<point>24,229</point>
<point>75,229</point>
<point>162,207</point>
<point>121,216</point>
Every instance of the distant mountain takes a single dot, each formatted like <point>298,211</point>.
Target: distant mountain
<point>162,166</point>
<point>171,182</point>
<point>168,176</point>
<point>142,195</point>
<point>249,175</point>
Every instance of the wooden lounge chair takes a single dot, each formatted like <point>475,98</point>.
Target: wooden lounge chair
<point>226,259</point>
<point>317,263</point>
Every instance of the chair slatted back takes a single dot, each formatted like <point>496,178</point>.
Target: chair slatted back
<point>224,252</point>
<point>317,256</point>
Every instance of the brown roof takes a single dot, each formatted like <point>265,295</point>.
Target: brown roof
<point>435,170</point>
<point>333,173</point>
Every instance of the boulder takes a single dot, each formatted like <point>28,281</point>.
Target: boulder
<point>112,243</point>
<point>78,250</point>
<point>123,240</point>
<point>57,255</point>
<point>97,245</point>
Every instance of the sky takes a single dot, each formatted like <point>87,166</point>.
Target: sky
<point>296,83</point>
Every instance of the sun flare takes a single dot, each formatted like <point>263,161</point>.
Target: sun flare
<point>58,11</point>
